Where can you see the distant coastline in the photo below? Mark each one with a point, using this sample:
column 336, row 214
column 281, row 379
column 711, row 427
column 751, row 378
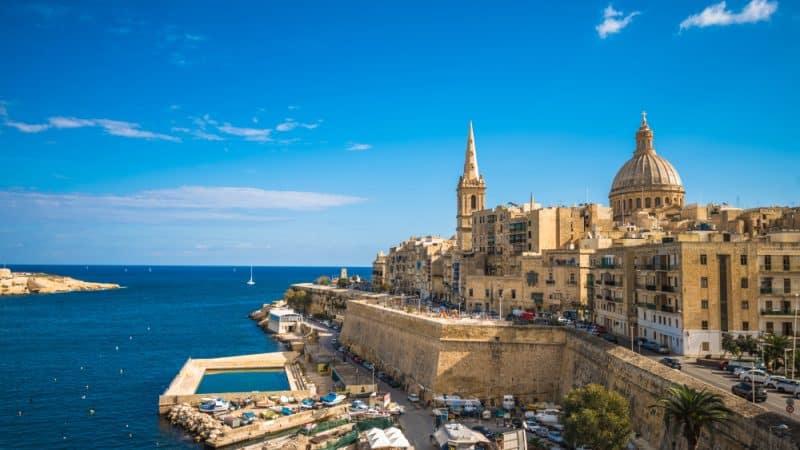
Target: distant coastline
column 23, row 283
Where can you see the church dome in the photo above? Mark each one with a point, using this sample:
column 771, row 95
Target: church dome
column 646, row 170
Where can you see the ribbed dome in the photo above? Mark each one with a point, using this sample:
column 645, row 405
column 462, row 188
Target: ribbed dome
column 646, row 170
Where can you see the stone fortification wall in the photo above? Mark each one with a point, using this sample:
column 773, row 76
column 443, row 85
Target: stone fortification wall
column 405, row 346
column 538, row 363
column 642, row 381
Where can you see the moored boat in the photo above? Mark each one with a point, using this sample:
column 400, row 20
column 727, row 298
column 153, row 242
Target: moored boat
column 213, row 405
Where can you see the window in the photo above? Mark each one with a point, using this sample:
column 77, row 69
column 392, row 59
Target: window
column 500, row 293
column 486, row 291
column 745, row 326
column 513, row 293
column 473, row 202
column 704, row 304
column 768, row 305
column 705, row 347
column 770, row 328
column 703, row 282
column 786, row 265
column 743, row 260
column 745, row 304
column 470, row 292
column 704, row 325
column 767, row 262
column 787, row 286
column 647, row 202
column 703, row 260
column 745, row 283
column 638, row 203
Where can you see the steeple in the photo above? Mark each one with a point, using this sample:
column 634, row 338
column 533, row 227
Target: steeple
column 471, row 158
column 644, row 137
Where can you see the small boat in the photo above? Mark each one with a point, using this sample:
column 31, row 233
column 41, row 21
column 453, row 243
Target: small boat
column 307, row 403
column 286, row 411
column 250, row 282
column 332, row 399
column 212, row 405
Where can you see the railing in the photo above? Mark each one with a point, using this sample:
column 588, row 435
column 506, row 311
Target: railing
column 650, row 287
column 550, row 281
column 608, row 265
column 612, row 283
column 645, row 267
column 667, row 288
column 775, row 291
column 662, row 266
column 649, row 305
column 780, row 312
column 669, row 309
column 618, row 299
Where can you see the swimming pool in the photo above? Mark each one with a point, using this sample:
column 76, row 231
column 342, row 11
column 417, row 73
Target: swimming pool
column 262, row 380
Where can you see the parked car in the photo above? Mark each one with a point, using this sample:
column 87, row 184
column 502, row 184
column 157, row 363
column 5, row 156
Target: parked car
column 484, row 431
column 671, row 362
column 540, row 431
column 555, row 436
column 787, row 385
column 745, row 390
column 757, row 375
column 656, row 347
column 413, row 397
column 772, row 381
column 610, row 338
column 393, row 383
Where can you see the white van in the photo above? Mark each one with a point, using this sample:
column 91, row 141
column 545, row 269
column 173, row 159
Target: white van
column 508, row 402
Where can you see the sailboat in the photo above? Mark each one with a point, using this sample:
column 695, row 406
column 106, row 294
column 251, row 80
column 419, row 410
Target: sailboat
column 250, row 282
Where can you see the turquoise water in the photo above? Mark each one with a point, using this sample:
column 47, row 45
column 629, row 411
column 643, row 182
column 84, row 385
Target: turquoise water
column 268, row 380
column 114, row 352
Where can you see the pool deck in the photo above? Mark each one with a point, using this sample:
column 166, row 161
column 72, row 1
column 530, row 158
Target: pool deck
column 184, row 386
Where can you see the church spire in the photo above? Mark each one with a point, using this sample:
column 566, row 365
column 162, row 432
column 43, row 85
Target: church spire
column 471, row 158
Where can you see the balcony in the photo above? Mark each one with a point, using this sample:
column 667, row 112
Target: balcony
column 667, row 288
column 550, row 282
column 605, row 265
column 612, row 283
column 775, row 291
column 778, row 312
column 663, row 267
column 650, row 287
column 645, row 267
column 667, row 308
column 618, row 299
column 648, row 305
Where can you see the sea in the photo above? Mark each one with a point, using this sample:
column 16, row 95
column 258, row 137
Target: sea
column 84, row 370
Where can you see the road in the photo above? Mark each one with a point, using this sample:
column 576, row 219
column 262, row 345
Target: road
column 417, row 421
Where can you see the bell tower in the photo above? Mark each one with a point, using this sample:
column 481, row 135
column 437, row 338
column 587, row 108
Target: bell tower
column 470, row 195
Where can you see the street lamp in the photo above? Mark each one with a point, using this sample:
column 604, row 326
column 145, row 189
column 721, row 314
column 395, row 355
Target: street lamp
column 794, row 332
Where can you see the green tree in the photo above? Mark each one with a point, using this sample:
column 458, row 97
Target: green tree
column 746, row 344
column 342, row 282
column 298, row 300
column 597, row 418
column 323, row 280
column 692, row 411
column 729, row 344
column 774, row 348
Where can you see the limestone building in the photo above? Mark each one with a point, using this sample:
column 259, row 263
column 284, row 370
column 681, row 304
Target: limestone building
column 409, row 265
column 778, row 282
column 379, row 272
column 646, row 182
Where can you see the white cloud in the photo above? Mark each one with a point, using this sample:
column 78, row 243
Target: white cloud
column 290, row 124
column 180, row 130
column 207, row 136
column 293, row 107
column 27, row 127
column 112, row 127
column 187, row 203
column 3, row 111
column 194, row 37
column 718, row 14
column 358, row 147
column 613, row 21
column 250, row 134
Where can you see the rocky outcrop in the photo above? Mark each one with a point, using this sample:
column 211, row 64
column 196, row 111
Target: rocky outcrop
column 21, row 283
column 200, row 425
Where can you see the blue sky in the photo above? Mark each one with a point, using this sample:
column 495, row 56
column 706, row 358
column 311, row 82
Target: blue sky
column 317, row 133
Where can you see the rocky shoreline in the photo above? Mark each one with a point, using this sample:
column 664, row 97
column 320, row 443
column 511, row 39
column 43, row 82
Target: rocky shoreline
column 23, row 283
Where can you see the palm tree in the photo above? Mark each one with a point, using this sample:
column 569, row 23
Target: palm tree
column 692, row 410
column 774, row 348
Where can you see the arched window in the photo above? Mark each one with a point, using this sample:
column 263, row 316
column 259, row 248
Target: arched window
column 666, row 200
column 638, row 203
column 630, row 203
column 675, row 200
column 647, row 202
column 473, row 202
column 658, row 201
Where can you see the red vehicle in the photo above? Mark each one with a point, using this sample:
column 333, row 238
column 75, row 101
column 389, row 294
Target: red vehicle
column 357, row 360
column 527, row 316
